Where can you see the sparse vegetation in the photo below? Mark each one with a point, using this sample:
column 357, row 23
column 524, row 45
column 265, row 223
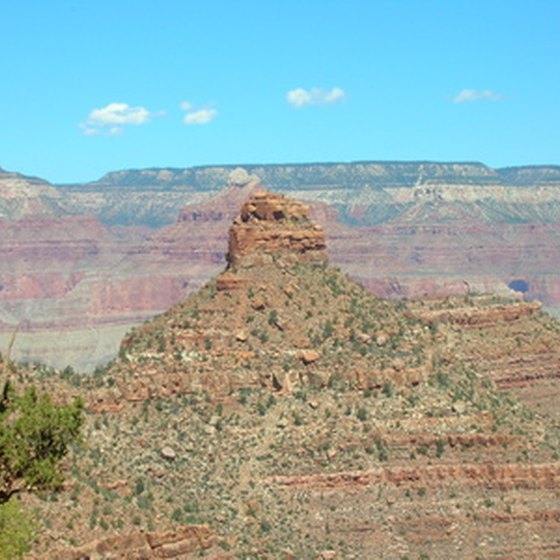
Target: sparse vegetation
column 283, row 410
column 35, row 435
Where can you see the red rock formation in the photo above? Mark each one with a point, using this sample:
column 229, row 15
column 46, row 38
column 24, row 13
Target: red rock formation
column 270, row 226
column 72, row 274
column 491, row 475
column 480, row 316
column 183, row 543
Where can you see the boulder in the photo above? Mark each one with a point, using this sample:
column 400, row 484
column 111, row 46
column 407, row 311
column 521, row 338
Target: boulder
column 309, row 356
column 168, row 453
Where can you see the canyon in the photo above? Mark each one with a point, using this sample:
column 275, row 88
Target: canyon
column 82, row 264
column 283, row 411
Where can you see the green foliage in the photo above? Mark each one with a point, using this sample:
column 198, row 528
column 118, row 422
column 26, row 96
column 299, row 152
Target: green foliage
column 381, row 449
column 34, row 436
column 441, row 380
column 16, row 531
column 139, row 487
column 388, row 389
column 328, row 329
column 264, row 337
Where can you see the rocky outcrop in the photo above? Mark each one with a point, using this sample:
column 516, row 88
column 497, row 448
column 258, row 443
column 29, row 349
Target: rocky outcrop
column 492, row 475
column 481, row 316
column 182, row 543
column 267, row 299
column 273, row 226
column 22, row 196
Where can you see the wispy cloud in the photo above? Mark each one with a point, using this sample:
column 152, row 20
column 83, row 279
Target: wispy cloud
column 300, row 97
column 202, row 116
column 197, row 116
column 104, row 131
column 111, row 119
column 472, row 95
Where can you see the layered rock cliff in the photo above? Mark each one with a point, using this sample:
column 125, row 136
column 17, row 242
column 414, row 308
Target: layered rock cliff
column 273, row 226
column 271, row 276
column 22, row 196
column 365, row 193
column 401, row 229
column 283, row 411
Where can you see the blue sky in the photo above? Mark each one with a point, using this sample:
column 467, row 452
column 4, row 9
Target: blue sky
column 94, row 86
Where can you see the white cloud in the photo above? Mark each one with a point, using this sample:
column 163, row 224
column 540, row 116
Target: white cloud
column 112, row 131
column 110, row 120
column 186, row 105
column 300, row 97
column 334, row 95
column 201, row 116
column 118, row 114
column 473, row 95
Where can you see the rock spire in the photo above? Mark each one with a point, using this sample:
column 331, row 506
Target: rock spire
column 272, row 226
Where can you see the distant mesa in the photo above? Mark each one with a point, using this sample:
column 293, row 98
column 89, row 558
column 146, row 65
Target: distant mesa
column 224, row 206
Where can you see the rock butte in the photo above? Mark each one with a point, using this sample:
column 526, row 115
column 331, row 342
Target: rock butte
column 307, row 419
column 276, row 269
column 273, row 225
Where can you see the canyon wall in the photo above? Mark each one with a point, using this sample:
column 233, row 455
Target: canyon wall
column 81, row 264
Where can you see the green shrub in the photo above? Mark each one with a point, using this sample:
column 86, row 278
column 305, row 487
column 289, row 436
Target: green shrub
column 177, row 515
column 16, row 531
column 34, row 436
column 388, row 389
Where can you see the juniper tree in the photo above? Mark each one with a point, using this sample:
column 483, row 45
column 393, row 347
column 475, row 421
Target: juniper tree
column 35, row 434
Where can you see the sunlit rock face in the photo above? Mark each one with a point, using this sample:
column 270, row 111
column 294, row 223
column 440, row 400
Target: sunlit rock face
column 272, row 226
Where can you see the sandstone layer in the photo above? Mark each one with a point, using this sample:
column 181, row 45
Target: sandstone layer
column 271, row 225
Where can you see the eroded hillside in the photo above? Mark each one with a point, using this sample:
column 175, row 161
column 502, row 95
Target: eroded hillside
column 284, row 412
